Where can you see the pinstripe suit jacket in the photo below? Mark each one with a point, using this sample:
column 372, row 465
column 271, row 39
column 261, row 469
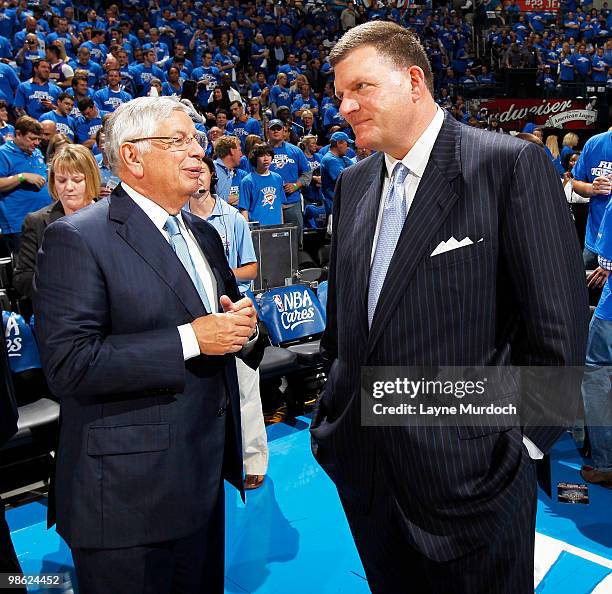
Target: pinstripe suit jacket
column 141, row 451
column 518, row 297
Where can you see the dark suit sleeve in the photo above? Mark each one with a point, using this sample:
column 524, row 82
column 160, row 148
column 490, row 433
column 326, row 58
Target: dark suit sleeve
column 81, row 355
column 540, row 251
column 25, row 265
column 329, row 340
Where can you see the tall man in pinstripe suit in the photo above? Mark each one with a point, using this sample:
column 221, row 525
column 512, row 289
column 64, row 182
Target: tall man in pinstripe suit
column 439, row 509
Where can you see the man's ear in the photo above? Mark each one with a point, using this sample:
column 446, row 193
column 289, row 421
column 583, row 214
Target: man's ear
column 131, row 159
column 417, row 79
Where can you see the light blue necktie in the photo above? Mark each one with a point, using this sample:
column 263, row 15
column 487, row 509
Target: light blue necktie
column 393, row 218
column 179, row 245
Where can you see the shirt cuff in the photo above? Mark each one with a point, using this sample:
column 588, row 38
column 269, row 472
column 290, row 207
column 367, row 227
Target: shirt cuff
column 604, row 263
column 189, row 342
column 534, row 451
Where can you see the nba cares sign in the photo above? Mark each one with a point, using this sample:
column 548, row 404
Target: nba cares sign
column 291, row 313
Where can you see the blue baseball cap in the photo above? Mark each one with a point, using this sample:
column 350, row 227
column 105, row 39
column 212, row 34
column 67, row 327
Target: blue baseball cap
column 339, row 136
column 276, row 122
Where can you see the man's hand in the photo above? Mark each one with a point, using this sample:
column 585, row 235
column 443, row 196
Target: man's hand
column 232, row 199
column 46, row 103
column 290, row 188
column 602, row 185
column 36, row 180
column 227, row 332
column 598, row 277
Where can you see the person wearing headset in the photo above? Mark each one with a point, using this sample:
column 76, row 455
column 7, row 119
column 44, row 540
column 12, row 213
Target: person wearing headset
column 240, row 254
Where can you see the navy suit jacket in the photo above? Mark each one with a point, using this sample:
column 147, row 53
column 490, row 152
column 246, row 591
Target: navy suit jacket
column 144, row 438
column 516, row 298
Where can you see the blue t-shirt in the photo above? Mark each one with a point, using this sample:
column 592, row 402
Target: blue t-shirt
column 30, row 95
column 331, row 167
column 313, row 192
column 595, row 161
column 64, row 124
column 25, row 198
column 8, row 83
column 262, row 197
column 93, row 69
column 243, row 129
column 108, row 100
column 603, row 247
column 235, row 236
column 290, row 163
column 280, row 96
column 144, row 75
column 7, row 130
column 85, row 128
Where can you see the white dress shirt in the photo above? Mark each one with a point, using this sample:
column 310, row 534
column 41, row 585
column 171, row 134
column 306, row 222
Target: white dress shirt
column 416, row 161
column 158, row 217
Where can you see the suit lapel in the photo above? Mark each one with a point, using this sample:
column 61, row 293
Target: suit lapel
column 366, row 214
column 438, row 191
column 139, row 232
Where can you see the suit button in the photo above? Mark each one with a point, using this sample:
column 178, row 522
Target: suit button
column 221, row 412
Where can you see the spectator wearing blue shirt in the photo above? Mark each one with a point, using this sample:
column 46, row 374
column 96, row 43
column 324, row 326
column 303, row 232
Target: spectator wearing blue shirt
column 259, row 85
column 242, row 125
column 582, row 62
column 36, row 97
column 280, row 94
column 174, row 84
column 596, row 378
column 96, row 46
column 30, row 52
column 261, row 192
column 86, row 64
column 179, row 60
column 8, row 83
column 160, row 49
column 599, row 66
column 89, row 123
column 312, row 192
column 230, row 225
column 332, row 165
column 31, row 27
column 64, row 122
column 291, row 164
column 207, row 76
column 111, row 96
column 592, row 177
column 7, row 131
column 23, row 179
column 228, row 153
column 305, row 101
column 145, row 72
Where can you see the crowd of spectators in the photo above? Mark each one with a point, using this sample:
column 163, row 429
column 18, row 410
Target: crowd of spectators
column 259, row 70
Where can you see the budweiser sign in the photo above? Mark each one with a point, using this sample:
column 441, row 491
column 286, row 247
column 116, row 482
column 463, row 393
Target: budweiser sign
column 551, row 113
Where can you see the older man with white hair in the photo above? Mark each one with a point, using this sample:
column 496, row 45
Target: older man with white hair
column 138, row 320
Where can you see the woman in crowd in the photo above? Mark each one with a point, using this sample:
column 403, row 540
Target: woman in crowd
column 552, row 144
column 55, row 144
column 220, row 100
column 173, row 85
column 74, row 182
column 570, row 142
column 7, row 131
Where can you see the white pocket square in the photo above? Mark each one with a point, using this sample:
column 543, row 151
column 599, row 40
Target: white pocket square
column 452, row 244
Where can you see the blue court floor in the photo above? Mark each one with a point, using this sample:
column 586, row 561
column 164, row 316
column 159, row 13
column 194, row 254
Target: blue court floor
column 292, row 537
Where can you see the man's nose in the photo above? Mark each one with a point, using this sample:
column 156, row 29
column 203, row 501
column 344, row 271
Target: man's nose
column 347, row 106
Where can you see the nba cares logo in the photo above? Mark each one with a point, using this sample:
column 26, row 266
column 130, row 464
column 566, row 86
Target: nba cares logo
column 279, row 303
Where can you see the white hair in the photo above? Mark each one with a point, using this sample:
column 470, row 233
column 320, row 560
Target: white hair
column 137, row 118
